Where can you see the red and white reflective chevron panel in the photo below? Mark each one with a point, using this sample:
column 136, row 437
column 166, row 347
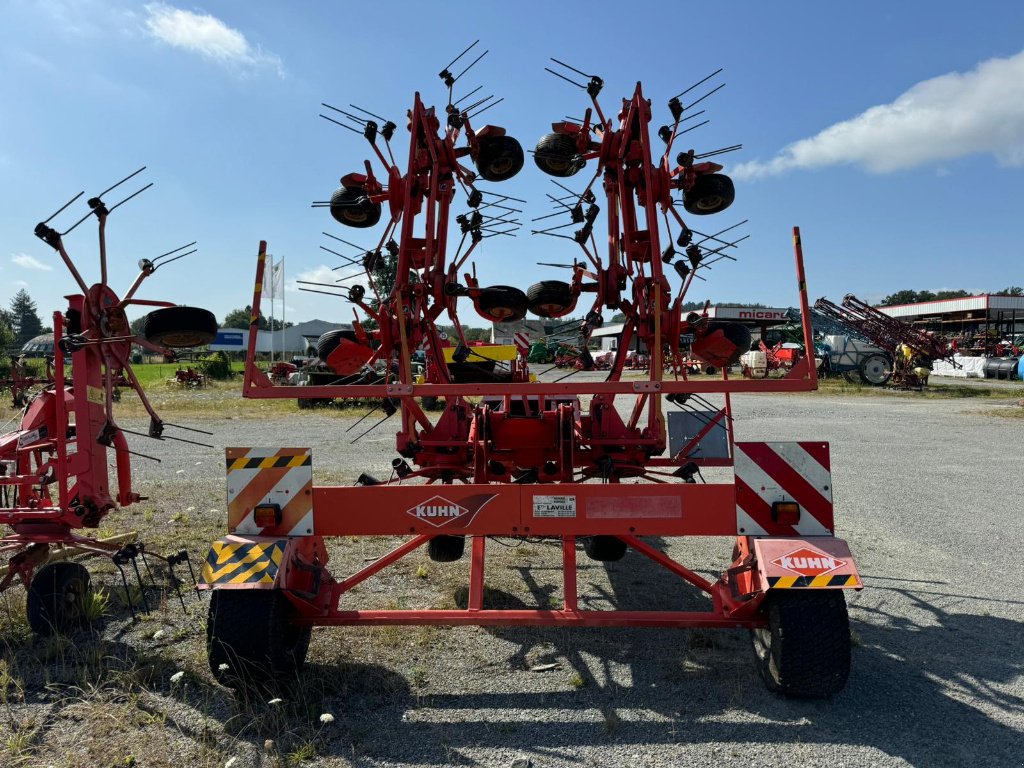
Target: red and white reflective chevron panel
column 771, row 472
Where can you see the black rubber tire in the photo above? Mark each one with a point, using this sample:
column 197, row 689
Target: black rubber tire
column 875, row 370
column 605, row 549
column 556, row 155
column 180, row 327
column 56, row 603
column 250, row 631
column 353, row 208
column 502, row 303
column 711, row 193
column 805, row 650
column 306, row 402
column 429, row 402
column 329, row 342
column 499, row 158
column 550, row 298
column 446, row 549
column 853, row 377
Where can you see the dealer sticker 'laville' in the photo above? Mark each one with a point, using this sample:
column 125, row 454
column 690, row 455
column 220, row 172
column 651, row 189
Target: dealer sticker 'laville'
column 554, row 506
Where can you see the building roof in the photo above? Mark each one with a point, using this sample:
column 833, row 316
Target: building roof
column 986, row 302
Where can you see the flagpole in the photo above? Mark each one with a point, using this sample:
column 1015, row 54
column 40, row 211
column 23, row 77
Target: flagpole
column 281, row 263
column 270, row 266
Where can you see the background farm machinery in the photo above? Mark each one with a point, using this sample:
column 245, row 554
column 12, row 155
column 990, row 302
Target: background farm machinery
column 908, row 352
column 54, row 477
column 581, row 461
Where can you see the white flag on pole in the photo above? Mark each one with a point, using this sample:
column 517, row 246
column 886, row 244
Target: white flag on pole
column 277, row 279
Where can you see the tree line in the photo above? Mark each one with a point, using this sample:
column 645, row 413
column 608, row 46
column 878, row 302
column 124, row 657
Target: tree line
column 916, row 297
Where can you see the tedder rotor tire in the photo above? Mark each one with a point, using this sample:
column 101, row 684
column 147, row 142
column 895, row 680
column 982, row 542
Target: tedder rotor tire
column 353, row 208
column 251, row 642
column 876, row 370
column 853, row 377
column 710, row 193
column 804, row 652
column 499, row 158
column 179, row 327
column 556, row 155
column 446, row 549
column 605, row 549
column 550, row 298
column 502, row 303
column 57, row 599
column 329, row 342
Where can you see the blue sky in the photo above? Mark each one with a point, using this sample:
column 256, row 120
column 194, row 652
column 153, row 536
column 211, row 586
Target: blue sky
column 892, row 133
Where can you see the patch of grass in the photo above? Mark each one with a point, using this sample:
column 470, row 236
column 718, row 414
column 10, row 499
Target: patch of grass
column 577, row 681
column 839, row 386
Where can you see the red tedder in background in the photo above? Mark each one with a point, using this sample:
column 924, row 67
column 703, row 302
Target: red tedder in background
column 582, row 462
column 54, row 478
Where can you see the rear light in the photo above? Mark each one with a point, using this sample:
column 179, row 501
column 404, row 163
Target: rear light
column 786, row 512
column 267, row 515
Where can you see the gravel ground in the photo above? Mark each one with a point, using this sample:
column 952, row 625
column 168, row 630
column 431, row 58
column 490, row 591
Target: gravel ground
column 927, row 493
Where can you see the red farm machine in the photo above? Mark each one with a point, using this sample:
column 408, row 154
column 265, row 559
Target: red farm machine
column 913, row 350
column 581, row 462
column 54, row 479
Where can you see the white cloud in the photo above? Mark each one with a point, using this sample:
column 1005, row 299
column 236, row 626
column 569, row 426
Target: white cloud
column 207, row 36
column 954, row 115
column 326, row 276
column 29, row 262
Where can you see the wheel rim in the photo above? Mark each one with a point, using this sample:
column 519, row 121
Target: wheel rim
column 356, row 217
column 709, row 203
column 500, row 166
column 556, row 164
column 876, row 371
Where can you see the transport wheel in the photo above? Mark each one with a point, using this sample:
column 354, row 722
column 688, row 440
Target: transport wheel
column 446, row 549
column 853, row 377
column 353, row 208
column 556, row 155
column 250, row 640
column 876, row 370
column 329, row 342
column 57, row 599
column 606, row 549
column 177, row 327
column 502, row 303
column 550, row 298
column 711, row 193
column 429, row 402
column 804, row 652
column 499, row 158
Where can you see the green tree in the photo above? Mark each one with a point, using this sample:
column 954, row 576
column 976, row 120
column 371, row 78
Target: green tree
column 1013, row 290
column 23, row 318
column 959, row 294
column 6, row 333
column 905, row 296
column 239, row 318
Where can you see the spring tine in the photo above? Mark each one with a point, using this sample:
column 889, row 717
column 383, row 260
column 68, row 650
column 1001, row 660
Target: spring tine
column 573, row 82
column 69, row 202
column 142, row 587
column 362, row 418
column 699, row 82
column 480, row 112
column 188, row 429
column 127, row 592
column 471, row 65
column 382, row 119
column 346, row 242
column 695, row 114
column 145, row 564
column 470, row 46
column 337, row 122
column 122, row 181
column 373, row 427
column 499, row 194
column 698, row 101
column 569, row 66
column 693, row 127
column 179, row 248
column 134, row 194
column 456, row 103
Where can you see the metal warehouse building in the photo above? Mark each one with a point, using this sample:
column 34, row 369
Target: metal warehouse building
column 977, row 324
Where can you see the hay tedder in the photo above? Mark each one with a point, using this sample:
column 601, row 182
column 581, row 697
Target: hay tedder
column 581, row 462
column 54, row 477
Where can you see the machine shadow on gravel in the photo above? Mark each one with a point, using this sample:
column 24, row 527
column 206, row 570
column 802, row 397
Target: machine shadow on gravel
column 898, row 701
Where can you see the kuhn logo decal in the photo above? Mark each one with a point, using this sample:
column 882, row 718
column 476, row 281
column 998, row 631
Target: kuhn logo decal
column 438, row 511
column 809, row 562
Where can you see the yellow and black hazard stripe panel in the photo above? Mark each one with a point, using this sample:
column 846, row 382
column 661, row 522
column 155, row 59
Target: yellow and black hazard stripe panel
column 243, row 562
column 812, row 582
column 269, row 462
